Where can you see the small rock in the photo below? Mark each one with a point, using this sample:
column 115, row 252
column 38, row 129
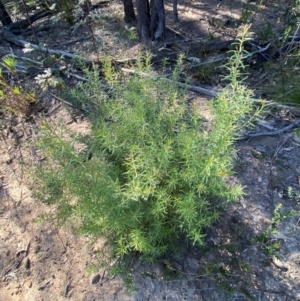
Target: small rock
column 243, row 203
column 37, row 249
column 12, row 275
column 259, row 179
column 28, row 284
column 27, row 264
column 9, row 161
column 96, row 279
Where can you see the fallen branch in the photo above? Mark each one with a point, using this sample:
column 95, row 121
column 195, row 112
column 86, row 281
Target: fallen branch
column 274, row 133
column 26, row 59
column 212, row 60
column 196, row 89
column 10, row 37
column 77, row 41
column 177, row 33
column 295, row 110
column 43, row 27
column 62, row 100
column 19, row 26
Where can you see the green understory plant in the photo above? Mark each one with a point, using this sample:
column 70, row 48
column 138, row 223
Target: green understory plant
column 284, row 78
column 12, row 95
column 280, row 81
column 66, row 8
column 293, row 194
column 228, row 268
column 224, row 274
column 272, row 245
column 149, row 175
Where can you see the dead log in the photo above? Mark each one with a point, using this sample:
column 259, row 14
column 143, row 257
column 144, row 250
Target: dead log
column 19, row 26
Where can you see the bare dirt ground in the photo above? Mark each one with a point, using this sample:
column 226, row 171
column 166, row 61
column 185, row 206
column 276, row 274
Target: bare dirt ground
column 39, row 261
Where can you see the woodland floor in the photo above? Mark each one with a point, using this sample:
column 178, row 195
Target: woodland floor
column 39, row 261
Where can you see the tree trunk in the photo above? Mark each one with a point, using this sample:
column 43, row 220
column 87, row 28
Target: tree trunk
column 4, row 16
column 143, row 20
column 151, row 21
column 129, row 11
column 158, row 19
column 175, row 11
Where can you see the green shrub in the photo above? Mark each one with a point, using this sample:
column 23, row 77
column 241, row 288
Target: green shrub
column 149, row 174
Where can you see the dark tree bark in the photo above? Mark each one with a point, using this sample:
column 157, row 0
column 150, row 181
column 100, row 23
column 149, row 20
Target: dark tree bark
column 151, row 20
column 158, row 19
column 175, row 11
column 143, row 20
column 129, row 11
column 4, row 16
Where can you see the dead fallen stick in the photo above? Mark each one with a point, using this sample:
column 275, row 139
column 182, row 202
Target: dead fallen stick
column 212, row 60
column 8, row 36
column 197, row 89
column 16, row 263
column 53, row 110
column 289, row 108
column 26, row 59
column 62, row 100
column 78, row 40
column 177, row 33
column 274, row 133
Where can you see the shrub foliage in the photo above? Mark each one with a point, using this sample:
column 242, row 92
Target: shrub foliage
column 149, row 174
